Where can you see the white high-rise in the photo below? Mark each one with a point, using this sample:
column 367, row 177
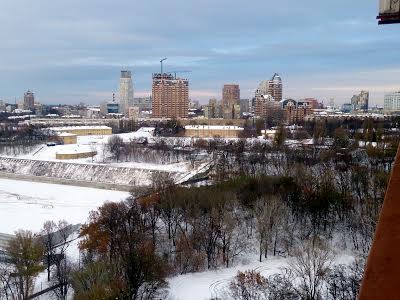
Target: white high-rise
column 125, row 92
column 392, row 102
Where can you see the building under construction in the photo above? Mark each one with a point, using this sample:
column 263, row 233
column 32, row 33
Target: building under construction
column 170, row 96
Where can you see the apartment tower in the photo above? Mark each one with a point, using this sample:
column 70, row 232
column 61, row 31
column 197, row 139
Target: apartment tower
column 170, row 96
column 125, row 92
column 275, row 87
column 230, row 95
column 29, row 101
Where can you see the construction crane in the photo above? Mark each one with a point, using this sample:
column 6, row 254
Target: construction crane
column 161, row 61
column 180, row 71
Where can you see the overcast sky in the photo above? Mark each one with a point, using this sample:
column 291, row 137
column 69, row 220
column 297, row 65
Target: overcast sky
column 68, row 51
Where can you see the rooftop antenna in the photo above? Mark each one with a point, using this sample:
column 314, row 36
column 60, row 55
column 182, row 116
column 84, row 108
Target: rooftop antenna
column 161, row 61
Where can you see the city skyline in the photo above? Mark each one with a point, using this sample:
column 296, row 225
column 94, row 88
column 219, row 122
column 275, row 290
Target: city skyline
column 76, row 50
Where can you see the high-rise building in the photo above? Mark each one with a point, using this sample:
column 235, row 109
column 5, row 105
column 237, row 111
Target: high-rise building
column 29, row 101
column 170, row 96
column 125, row 92
column 275, row 87
column 2, row 106
column 392, row 102
column 230, row 95
column 244, row 106
column 360, row 102
column 262, row 88
column 267, row 108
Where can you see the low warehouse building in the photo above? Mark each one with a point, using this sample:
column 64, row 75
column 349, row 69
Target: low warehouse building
column 209, row 131
column 84, row 130
column 75, row 154
column 67, row 138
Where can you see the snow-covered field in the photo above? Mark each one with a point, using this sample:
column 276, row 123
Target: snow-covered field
column 27, row 205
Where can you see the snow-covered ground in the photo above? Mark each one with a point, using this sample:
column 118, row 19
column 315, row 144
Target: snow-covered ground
column 209, row 285
column 27, row 205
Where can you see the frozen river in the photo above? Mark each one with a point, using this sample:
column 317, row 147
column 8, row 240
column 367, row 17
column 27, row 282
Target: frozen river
column 27, row 205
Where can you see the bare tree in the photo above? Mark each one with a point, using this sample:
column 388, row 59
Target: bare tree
column 311, row 268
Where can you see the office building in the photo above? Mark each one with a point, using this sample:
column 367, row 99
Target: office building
column 170, row 96
column 230, row 95
column 29, row 101
column 125, row 92
column 392, row 102
column 360, row 102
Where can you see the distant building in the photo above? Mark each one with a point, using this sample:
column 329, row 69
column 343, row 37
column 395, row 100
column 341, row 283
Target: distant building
column 133, row 112
column 360, row 102
column 84, row 130
column 275, row 87
column 267, row 108
column 143, row 103
column 230, row 95
column 29, row 101
column 211, row 131
column 262, row 88
column 312, row 103
column 244, row 106
column 347, row 107
column 170, row 96
column 110, row 107
column 2, row 106
column 295, row 111
column 125, row 92
column 392, row 102
column 194, row 104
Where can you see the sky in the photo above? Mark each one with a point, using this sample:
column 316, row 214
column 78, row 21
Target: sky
column 71, row 51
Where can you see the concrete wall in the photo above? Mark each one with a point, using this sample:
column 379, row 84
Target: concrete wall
column 101, row 174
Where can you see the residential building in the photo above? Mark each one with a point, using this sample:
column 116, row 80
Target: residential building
column 170, row 96
column 295, row 111
column 126, row 92
column 230, row 95
column 275, row 87
column 29, row 101
column 312, row 103
column 2, row 106
column 133, row 112
column 262, row 88
column 392, row 102
column 360, row 101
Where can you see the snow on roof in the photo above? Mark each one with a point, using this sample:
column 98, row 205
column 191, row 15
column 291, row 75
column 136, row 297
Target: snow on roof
column 212, row 127
column 78, row 127
column 73, row 149
column 65, row 134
